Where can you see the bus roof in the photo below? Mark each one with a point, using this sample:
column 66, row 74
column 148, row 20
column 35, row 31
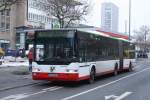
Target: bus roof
column 91, row 31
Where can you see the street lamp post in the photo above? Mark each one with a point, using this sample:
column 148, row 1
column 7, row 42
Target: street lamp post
column 145, row 40
column 129, row 19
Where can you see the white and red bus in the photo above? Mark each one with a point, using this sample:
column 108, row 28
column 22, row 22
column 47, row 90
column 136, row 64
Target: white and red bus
column 79, row 54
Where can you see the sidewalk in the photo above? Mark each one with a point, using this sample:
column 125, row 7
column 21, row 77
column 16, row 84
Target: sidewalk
column 13, row 62
column 9, row 80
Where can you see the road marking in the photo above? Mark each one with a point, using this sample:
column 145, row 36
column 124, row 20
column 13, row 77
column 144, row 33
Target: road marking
column 104, row 85
column 113, row 97
column 25, row 95
column 40, row 92
column 110, row 97
column 31, row 84
column 15, row 97
column 123, row 95
column 46, row 89
column 55, row 89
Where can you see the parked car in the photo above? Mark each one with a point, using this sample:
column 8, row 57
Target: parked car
column 142, row 55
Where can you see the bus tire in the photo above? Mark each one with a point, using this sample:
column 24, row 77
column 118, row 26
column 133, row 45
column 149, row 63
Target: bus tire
column 116, row 69
column 130, row 67
column 92, row 76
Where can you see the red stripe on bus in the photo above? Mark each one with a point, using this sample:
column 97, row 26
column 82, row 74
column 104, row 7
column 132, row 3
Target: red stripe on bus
column 114, row 34
column 60, row 76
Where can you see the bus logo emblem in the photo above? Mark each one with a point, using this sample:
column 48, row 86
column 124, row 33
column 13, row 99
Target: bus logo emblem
column 52, row 69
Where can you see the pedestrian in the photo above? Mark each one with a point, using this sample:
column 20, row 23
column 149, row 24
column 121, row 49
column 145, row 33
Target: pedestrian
column 30, row 57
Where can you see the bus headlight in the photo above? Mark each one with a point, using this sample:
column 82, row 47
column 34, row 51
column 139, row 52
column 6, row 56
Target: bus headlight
column 35, row 69
column 71, row 70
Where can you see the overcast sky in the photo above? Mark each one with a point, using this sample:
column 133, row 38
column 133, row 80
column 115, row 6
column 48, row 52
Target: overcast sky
column 140, row 13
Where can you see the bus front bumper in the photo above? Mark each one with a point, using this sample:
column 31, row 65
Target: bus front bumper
column 56, row 76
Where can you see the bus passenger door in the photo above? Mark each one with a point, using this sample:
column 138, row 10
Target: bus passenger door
column 120, row 55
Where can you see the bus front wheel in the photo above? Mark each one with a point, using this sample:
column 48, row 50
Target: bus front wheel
column 92, row 76
column 130, row 67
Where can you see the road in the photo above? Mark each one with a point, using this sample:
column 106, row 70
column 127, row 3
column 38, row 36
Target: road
column 125, row 86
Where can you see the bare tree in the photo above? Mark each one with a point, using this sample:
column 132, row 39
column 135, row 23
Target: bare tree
column 6, row 4
column 67, row 11
column 142, row 37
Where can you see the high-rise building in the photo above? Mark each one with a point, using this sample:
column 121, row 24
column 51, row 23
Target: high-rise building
column 25, row 14
column 109, row 17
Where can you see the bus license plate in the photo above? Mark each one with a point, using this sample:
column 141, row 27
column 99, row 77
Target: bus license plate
column 52, row 75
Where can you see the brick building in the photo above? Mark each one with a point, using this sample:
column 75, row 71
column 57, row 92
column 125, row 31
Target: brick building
column 25, row 14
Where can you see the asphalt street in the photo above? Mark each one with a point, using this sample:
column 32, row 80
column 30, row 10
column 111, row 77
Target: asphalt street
column 125, row 86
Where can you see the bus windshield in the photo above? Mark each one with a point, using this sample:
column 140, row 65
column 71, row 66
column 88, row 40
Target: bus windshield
column 54, row 47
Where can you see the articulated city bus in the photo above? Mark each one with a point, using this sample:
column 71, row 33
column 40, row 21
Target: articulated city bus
column 79, row 54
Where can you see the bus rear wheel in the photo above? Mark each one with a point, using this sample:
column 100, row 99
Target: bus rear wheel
column 130, row 67
column 116, row 69
column 92, row 76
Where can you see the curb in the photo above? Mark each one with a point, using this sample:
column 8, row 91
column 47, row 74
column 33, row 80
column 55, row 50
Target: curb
column 5, row 66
